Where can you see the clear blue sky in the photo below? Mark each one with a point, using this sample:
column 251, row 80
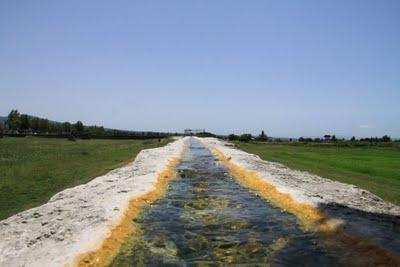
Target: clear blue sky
column 291, row 68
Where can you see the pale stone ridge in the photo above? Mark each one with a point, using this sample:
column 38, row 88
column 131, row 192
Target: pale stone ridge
column 78, row 219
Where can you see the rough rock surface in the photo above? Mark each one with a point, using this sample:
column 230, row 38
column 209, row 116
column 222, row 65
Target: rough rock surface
column 361, row 212
column 79, row 218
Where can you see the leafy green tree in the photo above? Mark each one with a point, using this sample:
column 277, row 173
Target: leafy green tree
column 353, row 139
column 334, row 138
column 66, row 127
column 43, row 125
column 245, row 138
column 54, row 127
column 24, row 122
column 79, row 127
column 34, row 123
column 262, row 137
column 96, row 130
column 386, row 138
column 233, row 137
column 14, row 120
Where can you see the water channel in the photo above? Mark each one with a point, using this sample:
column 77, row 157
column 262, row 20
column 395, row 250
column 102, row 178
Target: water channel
column 206, row 218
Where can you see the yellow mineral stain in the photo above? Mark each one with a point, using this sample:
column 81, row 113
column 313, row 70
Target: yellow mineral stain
column 355, row 250
column 308, row 215
column 121, row 233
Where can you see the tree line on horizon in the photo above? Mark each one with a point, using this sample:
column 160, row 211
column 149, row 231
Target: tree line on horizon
column 326, row 138
column 22, row 124
column 248, row 137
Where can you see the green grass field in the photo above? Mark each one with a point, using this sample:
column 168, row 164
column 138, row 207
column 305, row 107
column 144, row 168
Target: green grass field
column 33, row 169
column 375, row 168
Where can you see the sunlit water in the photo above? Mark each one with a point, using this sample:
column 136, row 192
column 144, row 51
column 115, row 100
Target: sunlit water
column 207, row 218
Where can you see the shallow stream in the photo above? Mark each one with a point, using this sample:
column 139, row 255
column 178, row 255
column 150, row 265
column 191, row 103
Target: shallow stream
column 206, row 218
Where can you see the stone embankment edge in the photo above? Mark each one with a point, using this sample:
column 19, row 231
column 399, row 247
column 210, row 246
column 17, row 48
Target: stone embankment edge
column 312, row 218
column 105, row 252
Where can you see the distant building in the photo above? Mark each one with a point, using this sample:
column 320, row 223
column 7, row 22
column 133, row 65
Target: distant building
column 194, row 131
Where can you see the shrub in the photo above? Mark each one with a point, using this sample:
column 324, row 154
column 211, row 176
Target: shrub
column 233, row 137
column 262, row 137
column 386, row 138
column 245, row 138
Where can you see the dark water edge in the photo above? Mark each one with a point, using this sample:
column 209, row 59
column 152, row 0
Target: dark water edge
column 207, row 219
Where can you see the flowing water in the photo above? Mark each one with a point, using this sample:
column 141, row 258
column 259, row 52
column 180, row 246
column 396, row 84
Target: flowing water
column 207, row 219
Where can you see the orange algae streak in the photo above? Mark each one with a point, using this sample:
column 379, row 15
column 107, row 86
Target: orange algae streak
column 355, row 250
column 121, row 233
column 308, row 215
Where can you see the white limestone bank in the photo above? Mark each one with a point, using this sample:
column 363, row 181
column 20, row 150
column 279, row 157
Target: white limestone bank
column 78, row 219
column 361, row 212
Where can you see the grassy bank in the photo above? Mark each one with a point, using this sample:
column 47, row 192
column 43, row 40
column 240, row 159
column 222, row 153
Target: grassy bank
column 33, row 169
column 374, row 167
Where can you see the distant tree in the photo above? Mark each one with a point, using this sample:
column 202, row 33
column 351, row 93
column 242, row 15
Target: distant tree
column 262, row 137
column 386, row 138
column 245, row 138
column 79, row 127
column 333, row 138
column 368, row 139
column 233, row 137
column 66, row 127
column 14, row 120
column 55, row 127
column 301, row 139
column 327, row 137
column 96, row 130
column 371, row 139
column 34, row 124
column 353, row 139
column 205, row 134
column 24, row 122
column 43, row 125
